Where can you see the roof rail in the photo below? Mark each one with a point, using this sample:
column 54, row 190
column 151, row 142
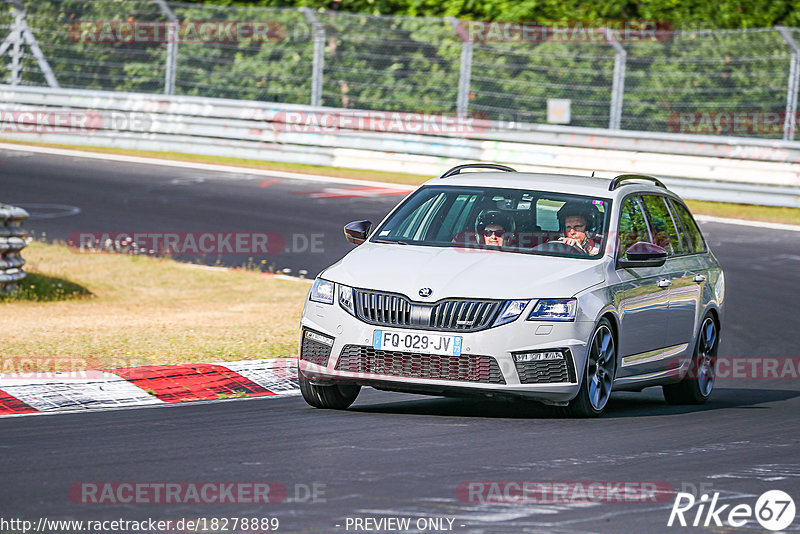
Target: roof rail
column 616, row 182
column 458, row 168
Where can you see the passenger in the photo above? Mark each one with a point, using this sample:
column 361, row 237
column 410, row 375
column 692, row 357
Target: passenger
column 578, row 222
column 494, row 228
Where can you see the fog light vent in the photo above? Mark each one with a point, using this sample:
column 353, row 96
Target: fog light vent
column 538, row 356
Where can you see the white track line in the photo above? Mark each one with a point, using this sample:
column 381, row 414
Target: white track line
column 743, row 222
column 305, row 177
column 203, row 166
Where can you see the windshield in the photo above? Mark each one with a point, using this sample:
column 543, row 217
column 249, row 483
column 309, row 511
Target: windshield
column 512, row 220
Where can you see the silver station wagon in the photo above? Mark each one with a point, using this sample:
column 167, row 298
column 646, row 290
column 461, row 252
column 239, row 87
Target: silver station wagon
column 559, row 289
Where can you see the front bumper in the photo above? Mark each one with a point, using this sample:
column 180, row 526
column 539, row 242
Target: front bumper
column 486, row 365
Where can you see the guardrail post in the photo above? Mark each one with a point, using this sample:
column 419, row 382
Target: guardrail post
column 464, row 70
column 172, row 47
column 12, row 241
column 794, row 84
column 318, row 62
column 618, row 81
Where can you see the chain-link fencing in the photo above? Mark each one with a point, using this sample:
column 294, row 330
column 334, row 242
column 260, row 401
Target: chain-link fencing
column 733, row 83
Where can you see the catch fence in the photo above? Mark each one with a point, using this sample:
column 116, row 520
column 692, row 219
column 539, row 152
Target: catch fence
column 741, row 83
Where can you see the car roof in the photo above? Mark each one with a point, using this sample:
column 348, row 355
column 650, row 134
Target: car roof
column 558, row 183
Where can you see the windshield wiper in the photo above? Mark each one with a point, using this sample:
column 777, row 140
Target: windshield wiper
column 391, row 241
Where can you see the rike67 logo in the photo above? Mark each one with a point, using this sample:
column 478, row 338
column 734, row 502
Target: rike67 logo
column 774, row 510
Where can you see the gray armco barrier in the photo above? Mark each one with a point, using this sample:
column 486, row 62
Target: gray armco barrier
column 12, row 241
column 715, row 168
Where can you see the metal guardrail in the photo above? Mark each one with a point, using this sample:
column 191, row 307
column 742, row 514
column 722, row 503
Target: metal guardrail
column 650, row 78
column 718, row 168
column 12, row 241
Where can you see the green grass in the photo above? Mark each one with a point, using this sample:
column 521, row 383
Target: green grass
column 114, row 310
column 38, row 287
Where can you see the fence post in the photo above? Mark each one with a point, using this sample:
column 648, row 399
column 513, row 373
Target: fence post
column 618, row 81
column 172, row 47
column 465, row 68
column 16, row 48
column 794, row 84
column 21, row 34
column 318, row 63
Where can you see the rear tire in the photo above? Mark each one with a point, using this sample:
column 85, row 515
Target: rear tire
column 334, row 397
column 598, row 374
column 696, row 386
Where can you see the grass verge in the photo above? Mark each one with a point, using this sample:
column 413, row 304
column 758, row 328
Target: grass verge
column 748, row 212
column 124, row 311
column 717, row 209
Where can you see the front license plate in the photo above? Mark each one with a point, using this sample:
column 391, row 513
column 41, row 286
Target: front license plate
column 415, row 342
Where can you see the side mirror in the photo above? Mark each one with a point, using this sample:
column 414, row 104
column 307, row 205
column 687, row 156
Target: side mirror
column 356, row 232
column 643, row 254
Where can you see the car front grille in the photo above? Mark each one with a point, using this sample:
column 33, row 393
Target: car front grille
column 467, row 368
column 314, row 351
column 546, row 371
column 459, row 315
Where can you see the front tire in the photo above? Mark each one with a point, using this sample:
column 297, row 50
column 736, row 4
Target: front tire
column 598, row 376
column 334, row 397
column 696, row 386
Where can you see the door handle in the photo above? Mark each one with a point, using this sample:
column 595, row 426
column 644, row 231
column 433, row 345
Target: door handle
column 664, row 283
column 699, row 278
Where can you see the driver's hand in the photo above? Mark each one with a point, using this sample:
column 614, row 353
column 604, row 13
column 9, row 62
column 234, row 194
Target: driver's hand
column 570, row 241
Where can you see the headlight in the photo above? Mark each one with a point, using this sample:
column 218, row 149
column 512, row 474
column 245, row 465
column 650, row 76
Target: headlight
column 321, row 291
column 554, row 310
column 346, row 299
column 510, row 311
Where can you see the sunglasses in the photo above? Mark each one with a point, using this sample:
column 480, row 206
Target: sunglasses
column 498, row 233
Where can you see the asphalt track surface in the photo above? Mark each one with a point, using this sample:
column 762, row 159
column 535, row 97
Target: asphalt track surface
column 394, row 455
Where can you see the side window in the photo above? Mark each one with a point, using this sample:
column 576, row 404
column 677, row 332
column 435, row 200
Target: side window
column 632, row 226
column 691, row 233
column 665, row 234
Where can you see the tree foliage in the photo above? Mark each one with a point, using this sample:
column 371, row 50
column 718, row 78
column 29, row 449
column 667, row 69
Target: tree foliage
column 721, row 14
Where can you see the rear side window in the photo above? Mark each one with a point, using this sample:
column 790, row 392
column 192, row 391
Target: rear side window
column 692, row 238
column 632, row 225
column 665, row 234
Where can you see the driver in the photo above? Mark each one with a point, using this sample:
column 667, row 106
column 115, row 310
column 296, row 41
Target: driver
column 578, row 222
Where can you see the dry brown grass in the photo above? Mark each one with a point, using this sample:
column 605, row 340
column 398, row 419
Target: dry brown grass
column 146, row 311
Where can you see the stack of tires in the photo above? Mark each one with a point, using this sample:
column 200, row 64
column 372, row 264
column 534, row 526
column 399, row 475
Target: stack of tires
column 12, row 241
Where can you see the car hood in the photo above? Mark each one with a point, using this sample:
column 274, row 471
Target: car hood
column 460, row 272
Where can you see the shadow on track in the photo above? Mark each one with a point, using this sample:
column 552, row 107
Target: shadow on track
column 621, row 405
